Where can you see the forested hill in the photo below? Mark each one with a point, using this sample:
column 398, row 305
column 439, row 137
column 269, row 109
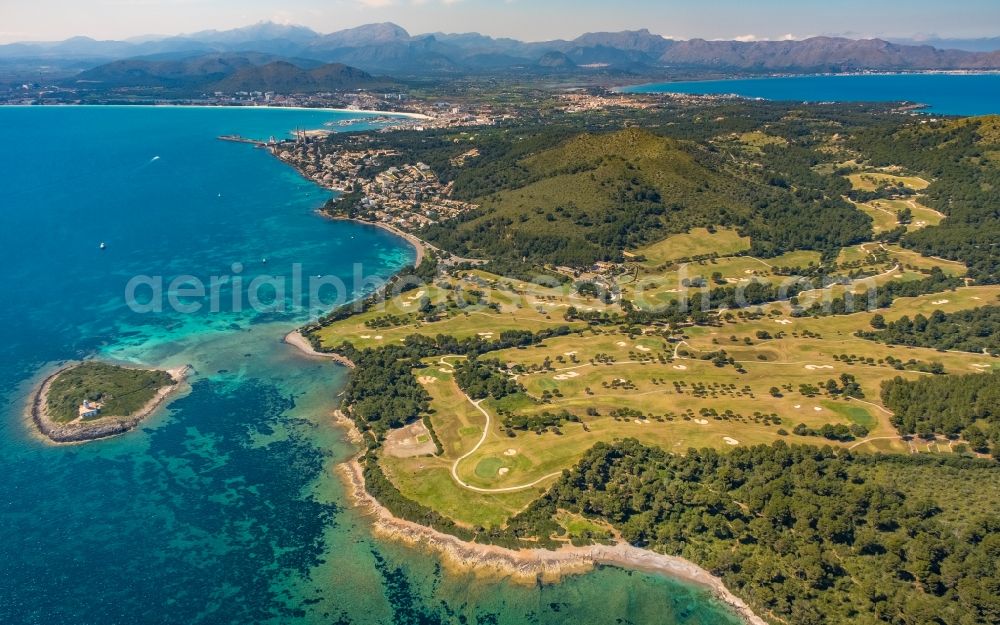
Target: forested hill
column 805, row 535
column 285, row 77
column 592, row 196
column 575, row 189
column 229, row 73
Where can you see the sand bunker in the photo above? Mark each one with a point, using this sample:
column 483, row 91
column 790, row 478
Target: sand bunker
column 485, row 334
column 566, row 376
column 378, row 338
column 818, row 409
column 701, row 421
column 797, row 406
column 569, row 354
column 366, row 336
column 940, row 301
column 730, row 441
column 445, row 370
column 680, row 367
column 981, row 366
column 621, row 344
column 510, row 452
column 503, row 471
column 643, row 349
column 426, row 379
column 783, row 322
column 815, row 367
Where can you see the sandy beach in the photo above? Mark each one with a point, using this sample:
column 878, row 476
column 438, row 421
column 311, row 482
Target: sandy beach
column 362, row 111
column 531, row 565
column 105, row 427
column 301, row 343
column 405, row 114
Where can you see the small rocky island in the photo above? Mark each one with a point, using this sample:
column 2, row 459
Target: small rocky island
column 94, row 400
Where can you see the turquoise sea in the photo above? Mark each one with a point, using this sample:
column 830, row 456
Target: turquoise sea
column 223, row 508
column 950, row 94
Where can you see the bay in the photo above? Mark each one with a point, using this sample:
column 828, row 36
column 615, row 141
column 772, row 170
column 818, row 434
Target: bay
column 951, row 94
column 223, row 508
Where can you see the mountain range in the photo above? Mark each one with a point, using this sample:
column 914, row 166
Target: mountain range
column 388, row 48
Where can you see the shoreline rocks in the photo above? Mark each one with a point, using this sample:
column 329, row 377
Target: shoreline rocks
column 105, row 427
column 531, row 566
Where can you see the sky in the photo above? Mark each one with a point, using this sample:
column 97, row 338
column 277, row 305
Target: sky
column 531, row 20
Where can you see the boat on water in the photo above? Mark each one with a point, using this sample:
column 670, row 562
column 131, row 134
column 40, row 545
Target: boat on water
column 102, row 246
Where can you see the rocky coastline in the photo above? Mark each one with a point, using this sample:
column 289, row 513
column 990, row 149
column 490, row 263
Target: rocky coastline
column 105, row 427
column 529, row 566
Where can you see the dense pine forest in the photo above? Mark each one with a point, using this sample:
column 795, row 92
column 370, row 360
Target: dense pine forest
column 976, row 330
column 807, row 535
column 966, row 406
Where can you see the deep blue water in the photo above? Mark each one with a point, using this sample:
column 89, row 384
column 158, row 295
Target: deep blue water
column 951, row 94
column 222, row 508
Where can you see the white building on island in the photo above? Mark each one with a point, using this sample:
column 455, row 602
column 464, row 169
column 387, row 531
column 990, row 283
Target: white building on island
column 90, row 409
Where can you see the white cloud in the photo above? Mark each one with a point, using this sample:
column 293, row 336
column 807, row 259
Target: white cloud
column 751, row 38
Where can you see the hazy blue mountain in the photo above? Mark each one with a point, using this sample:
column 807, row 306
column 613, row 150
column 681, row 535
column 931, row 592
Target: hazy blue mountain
column 643, row 41
column 556, row 60
column 983, row 44
column 262, row 31
column 285, row 77
column 388, row 48
column 821, row 54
